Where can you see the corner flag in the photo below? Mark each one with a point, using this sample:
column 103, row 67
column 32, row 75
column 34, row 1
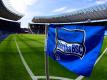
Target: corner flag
column 75, row 47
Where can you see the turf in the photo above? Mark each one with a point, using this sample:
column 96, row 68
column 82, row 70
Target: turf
column 32, row 48
column 100, row 70
column 33, row 51
column 11, row 67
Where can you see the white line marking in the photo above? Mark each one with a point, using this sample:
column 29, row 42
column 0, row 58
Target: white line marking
column 81, row 77
column 24, row 63
column 53, row 77
column 100, row 56
column 29, row 70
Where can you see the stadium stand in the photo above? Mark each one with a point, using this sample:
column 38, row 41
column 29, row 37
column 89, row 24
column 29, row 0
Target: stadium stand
column 95, row 15
column 37, row 28
column 92, row 13
column 25, row 30
column 8, row 19
column 8, row 27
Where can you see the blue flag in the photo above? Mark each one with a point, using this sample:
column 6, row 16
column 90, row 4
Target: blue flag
column 75, row 47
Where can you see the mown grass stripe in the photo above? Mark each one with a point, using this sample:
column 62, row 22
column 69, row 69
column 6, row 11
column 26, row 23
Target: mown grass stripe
column 24, row 63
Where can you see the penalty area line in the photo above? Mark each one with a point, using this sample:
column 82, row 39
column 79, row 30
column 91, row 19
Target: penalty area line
column 81, row 77
column 24, row 62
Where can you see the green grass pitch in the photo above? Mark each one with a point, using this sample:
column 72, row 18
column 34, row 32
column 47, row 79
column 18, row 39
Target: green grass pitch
column 32, row 48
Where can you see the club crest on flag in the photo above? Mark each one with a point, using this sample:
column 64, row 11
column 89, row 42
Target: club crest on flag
column 70, row 48
column 75, row 47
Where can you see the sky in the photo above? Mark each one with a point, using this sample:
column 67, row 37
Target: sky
column 31, row 8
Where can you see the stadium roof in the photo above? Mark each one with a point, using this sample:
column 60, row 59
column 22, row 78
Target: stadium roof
column 8, row 12
column 98, row 12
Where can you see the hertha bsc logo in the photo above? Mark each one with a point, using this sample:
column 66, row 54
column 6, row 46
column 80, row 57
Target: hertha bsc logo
column 75, row 47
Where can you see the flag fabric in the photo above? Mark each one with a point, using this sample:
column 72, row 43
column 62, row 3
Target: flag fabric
column 75, row 47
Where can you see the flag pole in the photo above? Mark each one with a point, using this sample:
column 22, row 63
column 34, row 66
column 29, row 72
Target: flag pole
column 46, row 56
